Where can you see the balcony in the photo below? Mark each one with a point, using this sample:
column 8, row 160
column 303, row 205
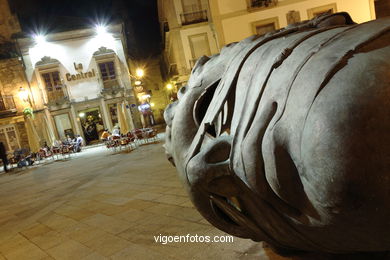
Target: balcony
column 57, row 96
column 110, row 83
column 7, row 106
column 194, row 17
column 256, row 4
column 173, row 70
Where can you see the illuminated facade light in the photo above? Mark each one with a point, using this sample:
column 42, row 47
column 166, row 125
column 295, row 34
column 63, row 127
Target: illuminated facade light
column 101, row 30
column 23, row 94
column 169, row 86
column 140, row 73
column 138, row 82
column 152, row 104
column 39, row 39
column 144, row 107
column 143, row 97
column 82, row 114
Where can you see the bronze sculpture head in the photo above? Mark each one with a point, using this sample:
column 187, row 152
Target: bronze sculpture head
column 284, row 138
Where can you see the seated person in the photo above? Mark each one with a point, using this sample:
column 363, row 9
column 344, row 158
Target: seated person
column 56, row 143
column 105, row 135
column 116, row 131
column 46, row 149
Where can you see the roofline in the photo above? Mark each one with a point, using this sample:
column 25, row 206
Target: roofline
column 26, row 41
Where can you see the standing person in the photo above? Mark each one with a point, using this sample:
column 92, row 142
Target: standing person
column 3, row 156
column 79, row 143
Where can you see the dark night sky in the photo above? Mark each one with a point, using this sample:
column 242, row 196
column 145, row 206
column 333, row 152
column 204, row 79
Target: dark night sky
column 140, row 17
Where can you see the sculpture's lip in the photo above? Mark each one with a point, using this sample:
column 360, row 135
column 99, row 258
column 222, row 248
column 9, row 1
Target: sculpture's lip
column 171, row 160
column 169, row 156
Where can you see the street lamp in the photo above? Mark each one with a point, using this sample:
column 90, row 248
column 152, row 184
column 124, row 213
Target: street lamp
column 169, row 86
column 101, row 30
column 39, row 39
column 139, row 73
column 138, row 82
column 24, row 95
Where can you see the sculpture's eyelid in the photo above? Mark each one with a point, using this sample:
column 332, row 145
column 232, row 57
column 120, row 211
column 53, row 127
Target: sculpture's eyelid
column 199, row 85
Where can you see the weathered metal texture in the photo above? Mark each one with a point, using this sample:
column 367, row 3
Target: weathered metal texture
column 285, row 138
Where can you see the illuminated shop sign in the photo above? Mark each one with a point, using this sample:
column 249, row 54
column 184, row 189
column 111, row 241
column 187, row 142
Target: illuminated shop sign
column 144, row 107
column 80, row 75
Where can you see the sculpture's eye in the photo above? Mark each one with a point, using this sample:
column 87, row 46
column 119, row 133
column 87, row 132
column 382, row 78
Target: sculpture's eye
column 203, row 102
column 182, row 92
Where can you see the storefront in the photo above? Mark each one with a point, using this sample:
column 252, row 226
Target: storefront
column 92, row 124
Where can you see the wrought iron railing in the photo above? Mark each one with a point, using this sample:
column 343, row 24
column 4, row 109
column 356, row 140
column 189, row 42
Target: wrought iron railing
column 57, row 96
column 262, row 3
column 194, row 17
column 7, row 104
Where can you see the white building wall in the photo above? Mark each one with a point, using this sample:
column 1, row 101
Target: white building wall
column 68, row 52
column 231, row 6
column 237, row 21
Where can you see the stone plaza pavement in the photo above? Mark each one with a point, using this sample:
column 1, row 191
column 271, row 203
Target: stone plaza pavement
column 106, row 205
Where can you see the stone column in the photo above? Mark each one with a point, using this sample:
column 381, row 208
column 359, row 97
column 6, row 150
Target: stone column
column 106, row 115
column 52, row 130
column 129, row 117
column 50, row 127
column 76, row 121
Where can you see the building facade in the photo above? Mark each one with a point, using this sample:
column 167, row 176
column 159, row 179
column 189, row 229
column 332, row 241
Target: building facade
column 192, row 28
column 80, row 81
column 235, row 20
column 13, row 132
column 188, row 34
column 12, row 122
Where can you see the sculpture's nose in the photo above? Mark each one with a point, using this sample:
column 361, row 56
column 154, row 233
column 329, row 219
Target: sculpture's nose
column 215, row 191
column 210, row 164
column 169, row 115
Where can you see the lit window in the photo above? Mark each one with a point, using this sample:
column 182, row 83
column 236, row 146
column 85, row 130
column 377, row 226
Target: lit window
column 52, row 80
column 9, row 137
column 107, row 70
column 265, row 26
column 313, row 12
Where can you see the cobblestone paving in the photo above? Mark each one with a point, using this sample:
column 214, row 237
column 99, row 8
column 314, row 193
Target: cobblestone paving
column 101, row 205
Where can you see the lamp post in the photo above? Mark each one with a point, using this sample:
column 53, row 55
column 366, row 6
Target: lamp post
column 172, row 91
column 139, row 73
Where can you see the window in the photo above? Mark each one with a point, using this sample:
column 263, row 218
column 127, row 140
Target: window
column 262, row 3
column 193, row 12
column 52, row 80
column 107, row 70
column 293, row 17
column 9, row 137
column 113, row 113
column 382, row 8
column 313, row 12
column 200, row 46
column 265, row 26
column 7, row 103
column 190, row 6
